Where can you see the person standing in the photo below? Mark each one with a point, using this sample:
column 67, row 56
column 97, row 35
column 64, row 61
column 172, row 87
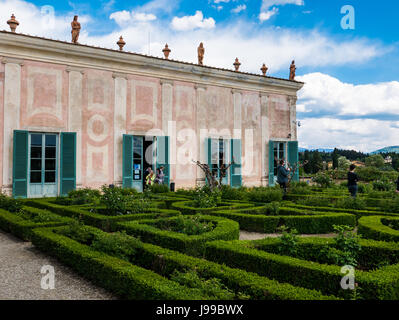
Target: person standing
column 282, row 176
column 352, row 181
column 149, row 180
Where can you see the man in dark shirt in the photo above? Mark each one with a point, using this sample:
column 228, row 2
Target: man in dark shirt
column 282, row 176
column 352, row 181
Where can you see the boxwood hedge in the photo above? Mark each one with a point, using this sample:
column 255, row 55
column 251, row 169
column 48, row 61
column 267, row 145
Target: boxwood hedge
column 22, row 228
column 380, row 284
column 377, row 227
column 136, row 282
column 190, row 244
column 187, row 207
column 104, row 222
column 119, row 276
column 305, row 221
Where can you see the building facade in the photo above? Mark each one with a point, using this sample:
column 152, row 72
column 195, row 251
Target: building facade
column 76, row 116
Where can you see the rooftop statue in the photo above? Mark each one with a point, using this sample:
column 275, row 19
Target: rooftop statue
column 13, row 23
column 292, row 70
column 75, row 29
column 201, row 53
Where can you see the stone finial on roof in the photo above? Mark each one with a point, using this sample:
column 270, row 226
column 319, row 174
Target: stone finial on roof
column 75, row 29
column 166, row 51
column 121, row 43
column 237, row 64
column 292, row 70
column 201, row 53
column 264, row 69
column 13, row 23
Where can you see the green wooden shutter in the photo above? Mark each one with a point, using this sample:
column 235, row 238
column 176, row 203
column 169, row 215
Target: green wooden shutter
column 293, row 157
column 68, row 162
column 235, row 170
column 20, row 164
column 271, row 163
column 127, row 165
column 163, row 157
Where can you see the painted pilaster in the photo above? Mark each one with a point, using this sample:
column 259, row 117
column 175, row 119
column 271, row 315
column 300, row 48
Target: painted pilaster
column 202, row 148
column 12, row 107
column 238, row 132
column 265, row 133
column 119, row 124
column 293, row 124
column 75, row 115
column 168, row 127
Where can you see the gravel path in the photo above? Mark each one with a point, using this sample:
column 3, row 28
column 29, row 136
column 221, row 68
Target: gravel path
column 244, row 235
column 20, row 276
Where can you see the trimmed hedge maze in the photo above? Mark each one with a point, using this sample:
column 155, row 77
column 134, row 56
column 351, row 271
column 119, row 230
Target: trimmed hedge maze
column 175, row 250
column 379, row 228
column 306, row 269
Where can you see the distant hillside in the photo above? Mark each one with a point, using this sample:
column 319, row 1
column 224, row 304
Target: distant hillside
column 387, row 150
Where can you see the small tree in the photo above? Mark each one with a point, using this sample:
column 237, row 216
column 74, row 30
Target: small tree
column 212, row 179
column 343, row 163
column 376, row 160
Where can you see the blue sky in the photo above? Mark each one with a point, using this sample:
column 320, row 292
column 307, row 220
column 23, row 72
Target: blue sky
column 351, row 96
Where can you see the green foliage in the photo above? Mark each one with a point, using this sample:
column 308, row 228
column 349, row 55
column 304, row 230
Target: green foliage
column 114, row 199
column 230, row 193
column 288, row 241
column 78, row 232
column 383, row 184
column 272, row 208
column 79, row 197
column 368, row 174
column 314, row 201
column 351, row 203
column 158, row 188
column 193, row 225
column 348, row 242
column 205, row 198
column 212, row 287
column 375, row 160
column 119, row 201
column 265, row 195
column 323, row 180
column 118, row 244
column 10, row 204
column 343, row 163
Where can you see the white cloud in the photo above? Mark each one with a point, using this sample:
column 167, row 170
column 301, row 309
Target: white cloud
column 239, row 8
column 196, row 21
column 358, row 134
column 219, row 1
column 264, row 16
column 323, row 94
column 144, row 16
column 337, row 114
column 269, row 7
column 266, row 4
column 121, row 17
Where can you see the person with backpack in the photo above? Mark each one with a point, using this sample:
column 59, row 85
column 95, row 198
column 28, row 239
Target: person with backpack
column 352, row 181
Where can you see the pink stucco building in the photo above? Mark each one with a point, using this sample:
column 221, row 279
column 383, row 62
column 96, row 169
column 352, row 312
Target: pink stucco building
column 75, row 116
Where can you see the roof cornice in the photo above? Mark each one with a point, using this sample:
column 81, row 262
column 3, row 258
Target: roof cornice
column 20, row 46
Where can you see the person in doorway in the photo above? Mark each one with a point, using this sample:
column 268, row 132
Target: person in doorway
column 352, row 181
column 160, row 176
column 149, row 180
column 282, row 176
